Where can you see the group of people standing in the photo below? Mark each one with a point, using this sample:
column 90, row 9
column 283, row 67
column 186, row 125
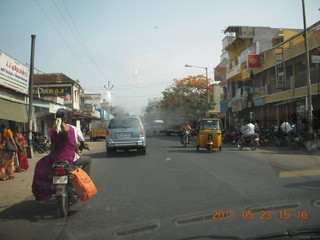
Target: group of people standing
column 12, row 161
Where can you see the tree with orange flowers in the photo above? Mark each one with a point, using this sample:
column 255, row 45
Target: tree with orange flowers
column 189, row 95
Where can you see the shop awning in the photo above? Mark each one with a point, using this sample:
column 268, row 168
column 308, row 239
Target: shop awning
column 13, row 111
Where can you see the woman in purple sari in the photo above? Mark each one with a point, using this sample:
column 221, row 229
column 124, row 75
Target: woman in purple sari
column 63, row 147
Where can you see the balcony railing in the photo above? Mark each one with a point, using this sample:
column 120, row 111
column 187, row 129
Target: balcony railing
column 234, row 71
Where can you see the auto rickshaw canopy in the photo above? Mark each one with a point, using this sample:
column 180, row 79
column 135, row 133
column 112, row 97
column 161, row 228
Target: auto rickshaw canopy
column 210, row 124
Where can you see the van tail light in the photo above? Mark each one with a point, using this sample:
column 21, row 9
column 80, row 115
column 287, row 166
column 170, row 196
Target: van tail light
column 141, row 133
column 59, row 171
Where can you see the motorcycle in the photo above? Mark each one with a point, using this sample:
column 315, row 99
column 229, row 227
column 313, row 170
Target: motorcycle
column 185, row 138
column 61, row 185
column 252, row 142
column 264, row 137
column 230, row 136
column 296, row 141
column 40, row 143
column 278, row 138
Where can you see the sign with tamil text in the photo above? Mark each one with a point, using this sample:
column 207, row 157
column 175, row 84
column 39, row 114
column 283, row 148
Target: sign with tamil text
column 13, row 74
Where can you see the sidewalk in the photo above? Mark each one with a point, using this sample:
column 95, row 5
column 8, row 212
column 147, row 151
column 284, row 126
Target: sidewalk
column 291, row 163
column 20, row 186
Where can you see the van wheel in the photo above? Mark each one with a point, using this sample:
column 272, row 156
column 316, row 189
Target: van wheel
column 143, row 151
column 110, row 152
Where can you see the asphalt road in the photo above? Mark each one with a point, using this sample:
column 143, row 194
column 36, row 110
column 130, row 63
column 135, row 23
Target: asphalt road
column 174, row 192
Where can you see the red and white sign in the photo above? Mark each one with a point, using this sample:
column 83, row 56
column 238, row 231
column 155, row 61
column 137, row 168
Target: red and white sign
column 253, row 60
column 13, row 74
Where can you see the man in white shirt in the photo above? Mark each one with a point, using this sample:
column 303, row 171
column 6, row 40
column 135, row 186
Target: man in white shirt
column 247, row 130
column 83, row 161
column 287, row 128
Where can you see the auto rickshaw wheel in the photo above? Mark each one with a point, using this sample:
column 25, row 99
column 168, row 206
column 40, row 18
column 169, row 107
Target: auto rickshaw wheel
column 220, row 148
column 198, row 147
column 210, row 148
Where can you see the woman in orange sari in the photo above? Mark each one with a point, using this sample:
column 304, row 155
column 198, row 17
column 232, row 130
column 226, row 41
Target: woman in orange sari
column 6, row 157
column 22, row 153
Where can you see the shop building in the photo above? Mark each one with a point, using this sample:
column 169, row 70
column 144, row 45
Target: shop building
column 65, row 92
column 279, row 85
column 14, row 85
column 236, row 78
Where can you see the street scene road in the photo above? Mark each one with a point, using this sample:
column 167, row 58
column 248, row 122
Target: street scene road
column 174, row 192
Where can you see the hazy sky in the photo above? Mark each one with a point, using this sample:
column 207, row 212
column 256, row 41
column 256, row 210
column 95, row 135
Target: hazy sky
column 140, row 46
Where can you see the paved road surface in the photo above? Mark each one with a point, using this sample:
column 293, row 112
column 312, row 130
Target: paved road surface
column 174, row 192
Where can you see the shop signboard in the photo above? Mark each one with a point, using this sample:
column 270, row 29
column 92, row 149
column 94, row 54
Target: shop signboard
column 259, row 101
column 236, row 105
column 224, row 106
column 13, row 74
column 63, row 92
column 315, row 58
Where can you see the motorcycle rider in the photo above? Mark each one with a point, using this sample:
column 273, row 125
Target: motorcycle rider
column 286, row 128
column 186, row 127
column 63, row 147
column 247, row 130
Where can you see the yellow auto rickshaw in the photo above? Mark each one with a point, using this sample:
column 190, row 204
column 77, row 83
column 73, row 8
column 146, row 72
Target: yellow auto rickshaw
column 209, row 134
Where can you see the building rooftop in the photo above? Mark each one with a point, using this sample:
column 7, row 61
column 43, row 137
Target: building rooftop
column 51, row 78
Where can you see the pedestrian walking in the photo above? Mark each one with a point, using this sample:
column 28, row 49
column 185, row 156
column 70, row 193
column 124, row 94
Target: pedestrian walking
column 6, row 156
column 22, row 150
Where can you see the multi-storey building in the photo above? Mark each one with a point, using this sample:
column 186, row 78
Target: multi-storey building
column 279, row 85
column 238, row 82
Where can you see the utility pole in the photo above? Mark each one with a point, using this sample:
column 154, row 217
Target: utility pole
column 30, row 114
column 109, row 100
column 309, row 95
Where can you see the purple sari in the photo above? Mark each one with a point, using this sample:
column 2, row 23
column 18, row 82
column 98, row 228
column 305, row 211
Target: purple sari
column 42, row 181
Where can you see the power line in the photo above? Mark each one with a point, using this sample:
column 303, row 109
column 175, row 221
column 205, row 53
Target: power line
column 84, row 43
column 134, row 86
column 65, row 41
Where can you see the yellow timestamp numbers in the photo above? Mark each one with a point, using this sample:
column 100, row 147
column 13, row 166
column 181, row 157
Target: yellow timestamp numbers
column 263, row 214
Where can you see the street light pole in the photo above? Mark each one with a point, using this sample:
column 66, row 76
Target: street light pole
column 309, row 96
column 30, row 113
column 108, row 89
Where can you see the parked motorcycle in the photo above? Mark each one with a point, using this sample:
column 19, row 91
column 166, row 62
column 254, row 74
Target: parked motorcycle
column 265, row 137
column 278, row 138
column 230, row 136
column 296, row 141
column 40, row 143
column 252, row 142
